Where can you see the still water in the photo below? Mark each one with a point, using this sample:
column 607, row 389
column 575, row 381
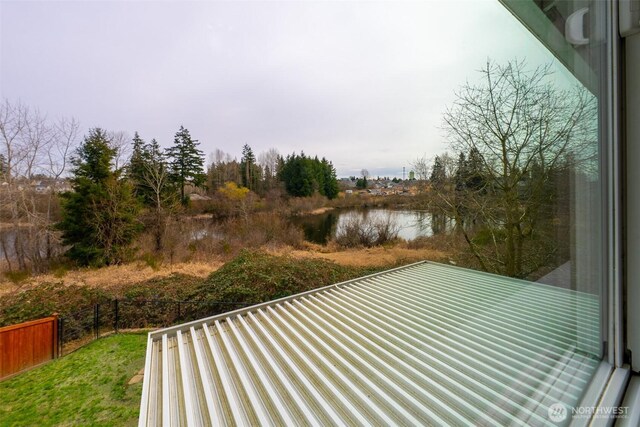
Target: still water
column 410, row 223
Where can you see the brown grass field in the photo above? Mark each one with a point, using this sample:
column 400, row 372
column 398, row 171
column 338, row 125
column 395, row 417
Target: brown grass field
column 122, row 275
column 112, row 276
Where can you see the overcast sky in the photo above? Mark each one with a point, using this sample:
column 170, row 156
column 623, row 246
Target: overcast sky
column 363, row 84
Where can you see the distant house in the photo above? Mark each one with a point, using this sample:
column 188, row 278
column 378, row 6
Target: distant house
column 347, row 183
column 41, row 187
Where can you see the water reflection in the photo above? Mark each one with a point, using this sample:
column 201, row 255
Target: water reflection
column 411, row 223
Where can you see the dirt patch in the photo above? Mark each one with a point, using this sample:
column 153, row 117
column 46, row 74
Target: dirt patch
column 137, row 378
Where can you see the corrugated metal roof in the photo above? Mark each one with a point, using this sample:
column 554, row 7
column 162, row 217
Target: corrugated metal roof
column 426, row 344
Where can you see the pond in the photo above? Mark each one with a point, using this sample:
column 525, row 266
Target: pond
column 410, row 223
column 32, row 243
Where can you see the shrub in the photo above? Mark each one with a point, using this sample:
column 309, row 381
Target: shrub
column 420, row 242
column 17, row 276
column 151, row 260
column 255, row 277
column 47, row 299
column 259, row 230
column 65, row 300
column 301, row 205
column 367, row 232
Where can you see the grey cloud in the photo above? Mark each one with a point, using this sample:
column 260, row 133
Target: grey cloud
column 361, row 83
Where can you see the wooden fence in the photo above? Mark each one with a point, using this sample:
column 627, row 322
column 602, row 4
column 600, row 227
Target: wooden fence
column 28, row 344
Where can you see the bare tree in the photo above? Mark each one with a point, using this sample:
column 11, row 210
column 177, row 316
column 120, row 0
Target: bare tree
column 156, row 178
column 422, row 167
column 34, row 153
column 120, row 142
column 64, row 140
column 13, row 121
column 223, row 168
column 115, row 221
column 269, row 161
column 524, row 131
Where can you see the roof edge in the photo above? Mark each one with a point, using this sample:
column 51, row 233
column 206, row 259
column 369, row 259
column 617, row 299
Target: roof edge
column 186, row 326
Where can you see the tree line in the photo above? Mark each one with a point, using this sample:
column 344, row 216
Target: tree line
column 296, row 174
column 96, row 196
column 109, row 205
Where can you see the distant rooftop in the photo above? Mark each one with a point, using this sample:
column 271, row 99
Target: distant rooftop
column 426, row 344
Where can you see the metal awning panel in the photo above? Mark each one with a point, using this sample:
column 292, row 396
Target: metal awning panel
column 426, row 344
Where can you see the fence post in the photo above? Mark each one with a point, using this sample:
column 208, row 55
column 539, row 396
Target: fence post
column 95, row 320
column 54, row 338
column 115, row 322
column 60, row 336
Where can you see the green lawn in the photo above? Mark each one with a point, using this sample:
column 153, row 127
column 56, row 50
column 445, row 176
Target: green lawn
column 87, row 387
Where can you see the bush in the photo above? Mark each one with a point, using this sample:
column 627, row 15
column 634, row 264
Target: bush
column 50, row 298
column 47, row 299
column 259, row 230
column 151, row 260
column 250, row 278
column 185, row 239
column 302, row 205
column 421, row 242
column 255, row 277
column 17, row 276
column 366, row 232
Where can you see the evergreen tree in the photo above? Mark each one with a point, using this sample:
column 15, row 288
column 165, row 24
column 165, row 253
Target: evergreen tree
column 136, row 167
column 462, row 172
column 186, row 162
column 99, row 215
column 250, row 171
column 331, row 188
column 438, row 175
column 362, row 183
column 297, row 176
column 475, row 180
column 303, row 176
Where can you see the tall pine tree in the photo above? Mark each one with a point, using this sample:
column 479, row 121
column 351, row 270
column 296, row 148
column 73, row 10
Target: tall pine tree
column 186, row 162
column 249, row 170
column 438, row 175
column 331, row 188
column 136, row 167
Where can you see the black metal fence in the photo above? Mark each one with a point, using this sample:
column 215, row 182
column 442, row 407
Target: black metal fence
column 90, row 323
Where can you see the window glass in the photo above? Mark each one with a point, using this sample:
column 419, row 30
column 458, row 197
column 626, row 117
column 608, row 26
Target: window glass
column 486, row 120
